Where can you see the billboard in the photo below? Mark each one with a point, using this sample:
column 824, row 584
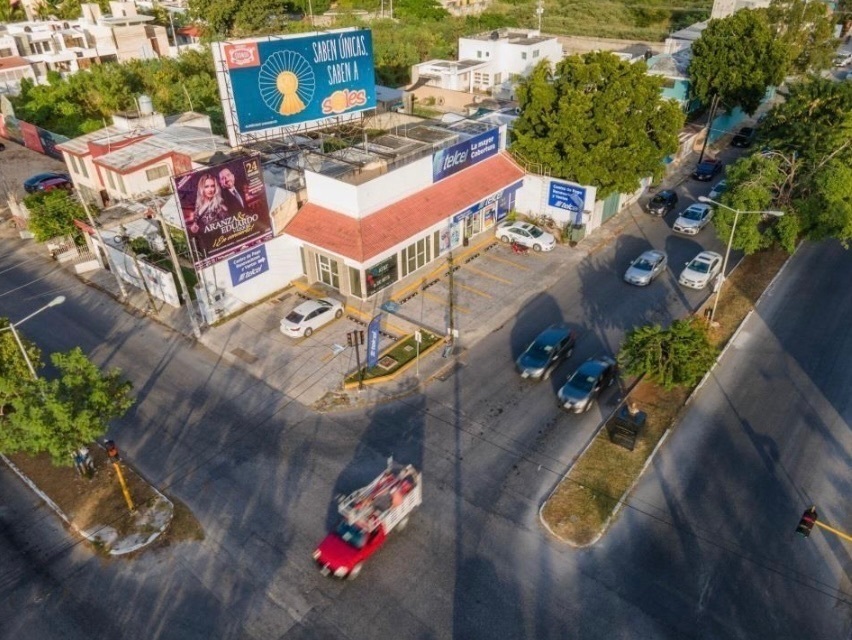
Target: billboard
column 465, row 154
column 248, row 264
column 566, row 196
column 290, row 80
column 224, row 209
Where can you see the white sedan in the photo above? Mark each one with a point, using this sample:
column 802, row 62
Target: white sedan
column 693, row 219
column 309, row 316
column 701, row 270
column 717, row 191
column 526, row 234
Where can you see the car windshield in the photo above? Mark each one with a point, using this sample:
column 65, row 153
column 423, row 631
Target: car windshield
column 295, row 317
column 721, row 187
column 659, row 199
column 643, row 264
column 582, row 381
column 539, row 350
column 351, row 534
column 706, row 166
column 699, row 266
column 535, row 232
column 693, row 214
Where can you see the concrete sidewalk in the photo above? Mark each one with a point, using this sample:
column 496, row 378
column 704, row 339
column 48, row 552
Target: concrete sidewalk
column 312, row 370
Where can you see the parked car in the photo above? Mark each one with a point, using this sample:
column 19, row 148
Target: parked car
column 693, row 219
column 309, row 316
column 662, row 203
column 744, row 138
column 843, row 58
column 586, row 383
column 526, row 234
column 646, row 267
column 47, row 181
column 718, row 189
column 707, row 170
column 548, row 350
column 701, row 270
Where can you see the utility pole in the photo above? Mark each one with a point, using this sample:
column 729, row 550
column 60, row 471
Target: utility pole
column 356, row 339
column 714, row 104
column 183, row 288
column 451, row 324
column 100, row 238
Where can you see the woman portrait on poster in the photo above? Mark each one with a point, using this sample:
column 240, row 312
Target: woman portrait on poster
column 209, row 205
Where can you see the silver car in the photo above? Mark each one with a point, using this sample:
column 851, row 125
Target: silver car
column 526, row 234
column 701, row 270
column 646, row 267
column 693, row 219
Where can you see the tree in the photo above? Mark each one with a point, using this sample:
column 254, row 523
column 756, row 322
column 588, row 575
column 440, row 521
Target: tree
column 58, row 416
column 737, row 59
column 806, row 29
column 52, row 214
column 677, row 356
column 596, row 120
column 421, row 10
column 15, row 375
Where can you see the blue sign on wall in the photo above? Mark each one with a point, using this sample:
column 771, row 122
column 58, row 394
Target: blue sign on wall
column 291, row 80
column 465, row 154
column 248, row 264
column 373, row 341
column 566, row 196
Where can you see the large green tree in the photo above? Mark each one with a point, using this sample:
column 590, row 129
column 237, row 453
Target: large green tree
column 677, row 356
column 806, row 29
column 59, row 415
column 737, row 59
column 52, row 214
column 596, row 120
column 15, row 376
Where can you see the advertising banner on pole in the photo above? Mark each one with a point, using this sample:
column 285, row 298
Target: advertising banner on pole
column 373, row 340
column 224, row 209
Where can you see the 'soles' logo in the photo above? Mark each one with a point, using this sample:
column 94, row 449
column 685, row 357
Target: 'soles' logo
column 242, row 56
column 343, row 100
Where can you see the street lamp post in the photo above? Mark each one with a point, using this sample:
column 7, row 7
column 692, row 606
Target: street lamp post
column 12, row 327
column 737, row 213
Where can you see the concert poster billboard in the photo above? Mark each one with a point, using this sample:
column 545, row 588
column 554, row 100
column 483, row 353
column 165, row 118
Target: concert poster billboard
column 224, row 209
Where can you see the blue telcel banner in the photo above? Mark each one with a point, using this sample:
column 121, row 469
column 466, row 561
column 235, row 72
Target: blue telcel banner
column 278, row 82
column 373, row 341
column 248, row 264
column 566, row 196
column 446, row 162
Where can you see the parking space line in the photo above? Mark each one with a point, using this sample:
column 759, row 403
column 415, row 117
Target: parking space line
column 506, row 261
column 473, row 290
column 480, row 272
column 445, row 302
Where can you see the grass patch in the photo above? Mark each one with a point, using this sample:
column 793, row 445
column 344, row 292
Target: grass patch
column 402, row 352
column 585, row 498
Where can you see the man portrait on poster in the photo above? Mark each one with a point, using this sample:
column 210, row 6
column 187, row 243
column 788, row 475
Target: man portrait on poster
column 233, row 194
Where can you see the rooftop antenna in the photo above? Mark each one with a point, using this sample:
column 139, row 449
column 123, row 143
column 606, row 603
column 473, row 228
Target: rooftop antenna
column 539, row 10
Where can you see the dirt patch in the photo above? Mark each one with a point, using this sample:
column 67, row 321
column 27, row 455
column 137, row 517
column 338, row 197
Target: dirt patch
column 578, row 510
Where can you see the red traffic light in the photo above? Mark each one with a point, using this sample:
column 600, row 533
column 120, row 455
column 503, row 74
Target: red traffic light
column 807, row 522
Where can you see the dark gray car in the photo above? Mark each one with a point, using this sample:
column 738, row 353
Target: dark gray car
column 552, row 346
column 586, row 383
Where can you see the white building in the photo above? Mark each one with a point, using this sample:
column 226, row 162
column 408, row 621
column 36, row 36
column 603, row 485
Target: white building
column 725, row 8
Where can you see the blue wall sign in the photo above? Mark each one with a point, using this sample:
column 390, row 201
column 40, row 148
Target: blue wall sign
column 566, row 196
column 373, row 341
column 287, row 81
column 248, row 264
column 446, row 162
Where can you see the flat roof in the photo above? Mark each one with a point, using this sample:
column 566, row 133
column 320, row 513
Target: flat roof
column 364, row 238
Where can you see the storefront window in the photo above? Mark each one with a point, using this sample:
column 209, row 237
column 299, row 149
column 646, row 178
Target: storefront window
column 416, row 255
column 382, row 275
column 328, row 273
column 355, row 282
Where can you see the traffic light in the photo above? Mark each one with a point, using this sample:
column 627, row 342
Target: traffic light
column 807, row 522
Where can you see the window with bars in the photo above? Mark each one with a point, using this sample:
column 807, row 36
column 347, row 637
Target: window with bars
column 416, row 255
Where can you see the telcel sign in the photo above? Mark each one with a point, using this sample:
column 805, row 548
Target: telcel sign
column 453, row 159
column 289, row 80
column 566, row 196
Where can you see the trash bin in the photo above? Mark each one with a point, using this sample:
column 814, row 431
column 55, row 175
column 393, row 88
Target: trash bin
column 578, row 232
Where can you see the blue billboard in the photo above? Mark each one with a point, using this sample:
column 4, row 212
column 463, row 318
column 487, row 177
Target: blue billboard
column 247, row 265
column 465, row 154
column 277, row 82
column 566, row 196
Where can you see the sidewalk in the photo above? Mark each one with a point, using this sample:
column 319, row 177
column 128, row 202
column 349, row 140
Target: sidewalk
column 312, row 370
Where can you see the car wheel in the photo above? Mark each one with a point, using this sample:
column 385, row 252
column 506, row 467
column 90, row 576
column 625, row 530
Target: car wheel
column 546, row 374
column 536, row 247
column 356, row 571
column 504, row 239
column 308, row 332
column 338, row 314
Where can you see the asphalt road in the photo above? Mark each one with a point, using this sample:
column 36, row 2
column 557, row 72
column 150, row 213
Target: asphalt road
column 261, row 472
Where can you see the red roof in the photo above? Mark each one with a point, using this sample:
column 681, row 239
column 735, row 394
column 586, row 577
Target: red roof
column 362, row 239
column 13, row 62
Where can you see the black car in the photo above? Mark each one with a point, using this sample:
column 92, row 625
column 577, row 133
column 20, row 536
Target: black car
column 584, row 386
column 662, row 203
column 744, row 138
column 707, row 170
column 51, row 179
column 552, row 346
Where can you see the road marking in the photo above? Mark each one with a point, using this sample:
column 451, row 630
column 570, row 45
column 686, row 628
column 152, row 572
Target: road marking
column 473, row 290
column 487, row 275
column 445, row 302
column 506, row 261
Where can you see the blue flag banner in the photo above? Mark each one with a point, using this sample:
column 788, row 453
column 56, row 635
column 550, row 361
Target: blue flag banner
column 373, row 341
